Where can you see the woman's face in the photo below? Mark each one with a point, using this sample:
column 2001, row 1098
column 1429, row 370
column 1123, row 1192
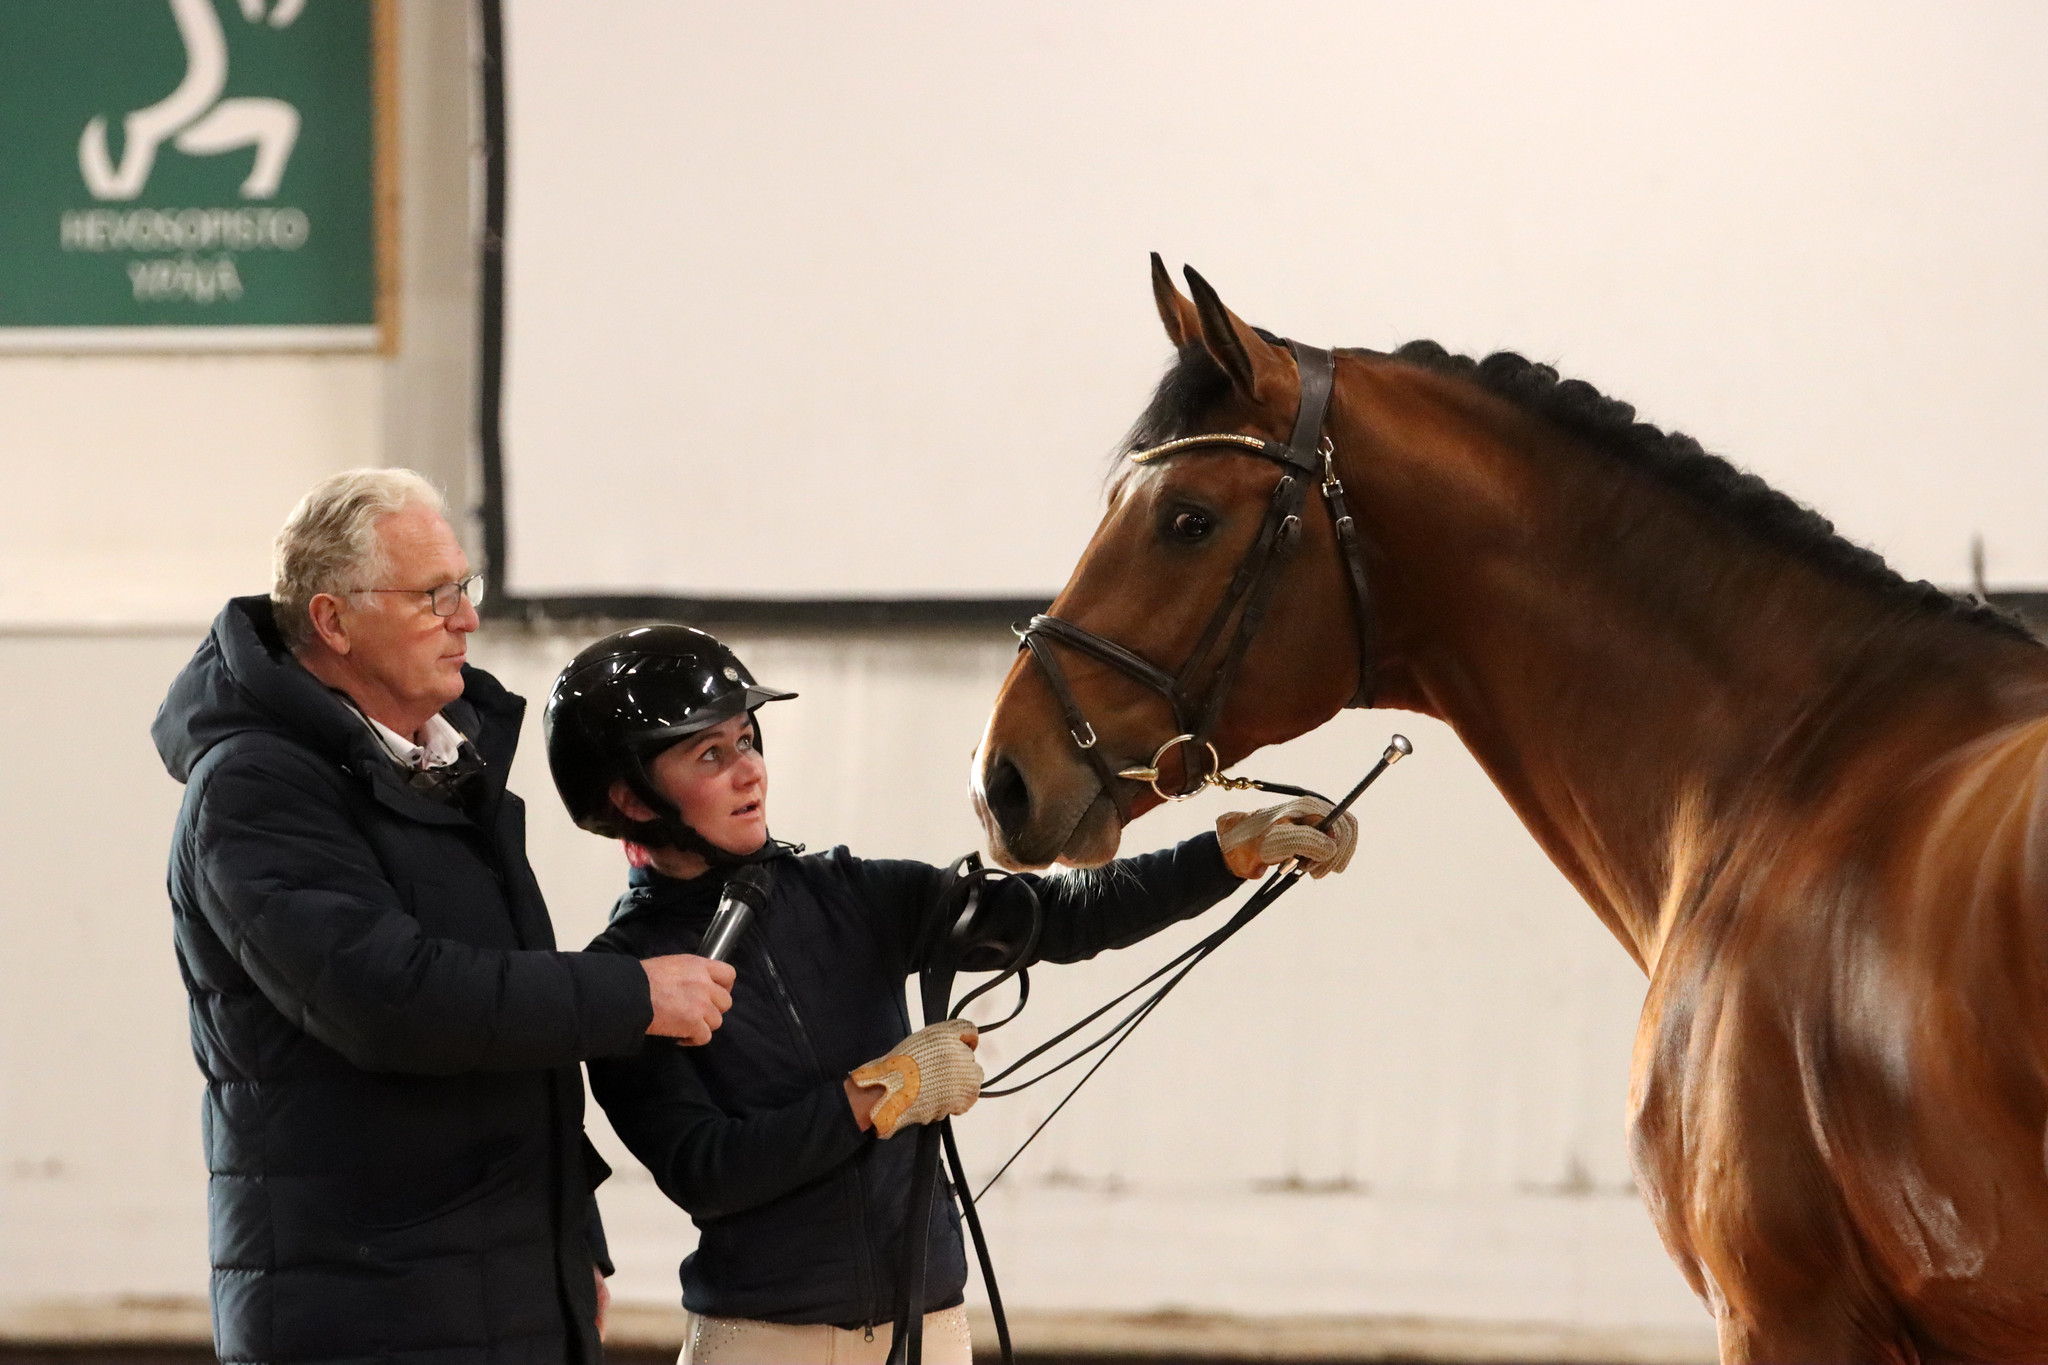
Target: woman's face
column 719, row 782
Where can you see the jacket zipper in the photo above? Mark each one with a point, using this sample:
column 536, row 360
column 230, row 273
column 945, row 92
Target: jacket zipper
column 860, row 1206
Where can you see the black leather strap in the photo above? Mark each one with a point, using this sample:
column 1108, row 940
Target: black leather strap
column 938, row 942
column 1282, row 533
column 1248, row 595
column 1249, row 569
column 906, row 1344
column 1353, row 554
column 1108, row 651
column 1318, row 371
column 1078, row 728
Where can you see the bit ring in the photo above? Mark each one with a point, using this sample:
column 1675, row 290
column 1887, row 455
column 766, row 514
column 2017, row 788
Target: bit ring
column 1150, row 773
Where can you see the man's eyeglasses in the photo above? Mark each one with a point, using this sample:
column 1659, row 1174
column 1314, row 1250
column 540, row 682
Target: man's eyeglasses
column 446, row 599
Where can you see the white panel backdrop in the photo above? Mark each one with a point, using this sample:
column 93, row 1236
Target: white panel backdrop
column 1398, row 1093
column 806, row 283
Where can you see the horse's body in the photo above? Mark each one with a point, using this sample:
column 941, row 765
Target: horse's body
column 1810, row 799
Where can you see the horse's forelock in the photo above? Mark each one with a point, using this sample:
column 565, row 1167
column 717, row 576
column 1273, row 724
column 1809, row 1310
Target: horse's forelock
column 1193, row 385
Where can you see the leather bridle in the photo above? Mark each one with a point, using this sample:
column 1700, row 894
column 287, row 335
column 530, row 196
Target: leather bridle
column 1197, row 705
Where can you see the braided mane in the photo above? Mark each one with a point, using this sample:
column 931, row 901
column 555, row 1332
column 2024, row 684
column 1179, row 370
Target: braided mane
column 1680, row 463
column 1195, row 384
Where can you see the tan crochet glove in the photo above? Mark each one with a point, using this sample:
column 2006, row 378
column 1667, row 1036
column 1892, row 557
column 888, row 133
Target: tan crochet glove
column 1256, row 840
column 929, row 1075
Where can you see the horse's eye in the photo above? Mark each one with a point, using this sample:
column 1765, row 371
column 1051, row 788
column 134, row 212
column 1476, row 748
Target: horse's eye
column 1191, row 525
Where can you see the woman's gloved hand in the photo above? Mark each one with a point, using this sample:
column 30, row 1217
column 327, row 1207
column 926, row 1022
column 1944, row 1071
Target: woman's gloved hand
column 930, row 1075
column 1258, row 839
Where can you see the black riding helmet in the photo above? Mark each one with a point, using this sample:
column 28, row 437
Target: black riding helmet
column 621, row 702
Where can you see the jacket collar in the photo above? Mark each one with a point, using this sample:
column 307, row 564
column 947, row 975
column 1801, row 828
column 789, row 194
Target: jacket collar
column 244, row 677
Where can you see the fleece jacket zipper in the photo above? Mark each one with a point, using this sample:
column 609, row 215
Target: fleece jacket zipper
column 864, row 1258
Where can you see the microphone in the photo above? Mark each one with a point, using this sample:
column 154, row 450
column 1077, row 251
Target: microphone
column 746, row 892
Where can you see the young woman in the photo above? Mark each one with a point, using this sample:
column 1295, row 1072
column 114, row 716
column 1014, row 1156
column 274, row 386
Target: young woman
column 775, row 1136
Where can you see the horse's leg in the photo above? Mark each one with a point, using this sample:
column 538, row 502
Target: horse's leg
column 1794, row 1279
column 1725, row 1150
column 1819, row 1335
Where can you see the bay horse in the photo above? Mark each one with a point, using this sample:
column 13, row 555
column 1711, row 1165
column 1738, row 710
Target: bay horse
column 1806, row 795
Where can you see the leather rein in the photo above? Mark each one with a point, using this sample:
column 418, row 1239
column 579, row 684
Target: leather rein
column 1308, row 454
column 1197, row 709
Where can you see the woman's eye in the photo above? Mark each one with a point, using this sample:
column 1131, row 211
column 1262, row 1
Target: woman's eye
column 1191, row 525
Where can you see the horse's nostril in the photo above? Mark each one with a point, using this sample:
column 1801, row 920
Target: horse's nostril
column 1009, row 800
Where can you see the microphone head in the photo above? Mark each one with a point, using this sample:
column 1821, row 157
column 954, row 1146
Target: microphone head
column 749, row 886
column 745, row 893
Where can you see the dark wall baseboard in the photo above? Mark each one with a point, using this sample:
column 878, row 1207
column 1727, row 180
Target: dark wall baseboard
column 866, row 613
column 2029, row 606
column 852, row 613
column 632, row 1355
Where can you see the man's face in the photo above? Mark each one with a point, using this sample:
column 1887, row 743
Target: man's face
column 396, row 641
column 719, row 782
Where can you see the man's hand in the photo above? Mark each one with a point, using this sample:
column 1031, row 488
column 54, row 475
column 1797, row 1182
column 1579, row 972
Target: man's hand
column 691, row 995
column 604, row 1302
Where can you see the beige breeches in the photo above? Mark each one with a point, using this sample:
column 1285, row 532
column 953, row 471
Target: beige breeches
column 742, row 1341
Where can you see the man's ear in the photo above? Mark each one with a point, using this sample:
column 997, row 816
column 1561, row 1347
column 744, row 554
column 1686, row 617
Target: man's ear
column 1259, row 370
column 628, row 802
column 328, row 628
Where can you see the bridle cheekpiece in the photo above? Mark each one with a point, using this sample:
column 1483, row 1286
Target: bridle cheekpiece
column 1309, row 454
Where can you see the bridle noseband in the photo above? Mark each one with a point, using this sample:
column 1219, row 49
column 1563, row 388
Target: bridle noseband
column 1308, row 454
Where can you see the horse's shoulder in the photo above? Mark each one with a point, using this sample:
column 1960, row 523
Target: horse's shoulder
column 1991, row 804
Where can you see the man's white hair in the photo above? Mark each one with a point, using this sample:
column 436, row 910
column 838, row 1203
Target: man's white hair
column 330, row 543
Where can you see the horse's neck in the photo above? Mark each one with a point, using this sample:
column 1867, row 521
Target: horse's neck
column 1637, row 677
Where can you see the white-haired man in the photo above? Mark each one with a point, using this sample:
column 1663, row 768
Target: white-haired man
column 393, row 1115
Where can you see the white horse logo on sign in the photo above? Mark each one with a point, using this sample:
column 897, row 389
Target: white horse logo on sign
column 193, row 117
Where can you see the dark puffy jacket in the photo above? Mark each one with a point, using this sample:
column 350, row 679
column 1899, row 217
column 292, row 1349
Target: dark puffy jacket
column 393, row 1114
column 800, row 1213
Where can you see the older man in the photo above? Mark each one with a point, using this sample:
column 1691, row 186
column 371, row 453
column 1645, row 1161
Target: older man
column 393, row 1115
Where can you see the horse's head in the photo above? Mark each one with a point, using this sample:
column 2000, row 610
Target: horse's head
column 1179, row 533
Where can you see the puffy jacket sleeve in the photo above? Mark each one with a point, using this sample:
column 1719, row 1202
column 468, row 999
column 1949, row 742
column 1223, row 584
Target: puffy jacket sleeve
column 300, row 900
column 1085, row 913
column 706, row 1160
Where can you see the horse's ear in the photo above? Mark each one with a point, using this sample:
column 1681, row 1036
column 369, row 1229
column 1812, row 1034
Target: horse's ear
column 1176, row 313
column 1254, row 366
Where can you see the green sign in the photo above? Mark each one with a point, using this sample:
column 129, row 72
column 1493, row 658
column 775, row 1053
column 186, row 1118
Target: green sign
column 187, row 174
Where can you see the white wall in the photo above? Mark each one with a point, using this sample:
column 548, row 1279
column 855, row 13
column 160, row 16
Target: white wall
column 1398, row 1094
column 137, row 492
column 143, row 489
column 897, row 253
